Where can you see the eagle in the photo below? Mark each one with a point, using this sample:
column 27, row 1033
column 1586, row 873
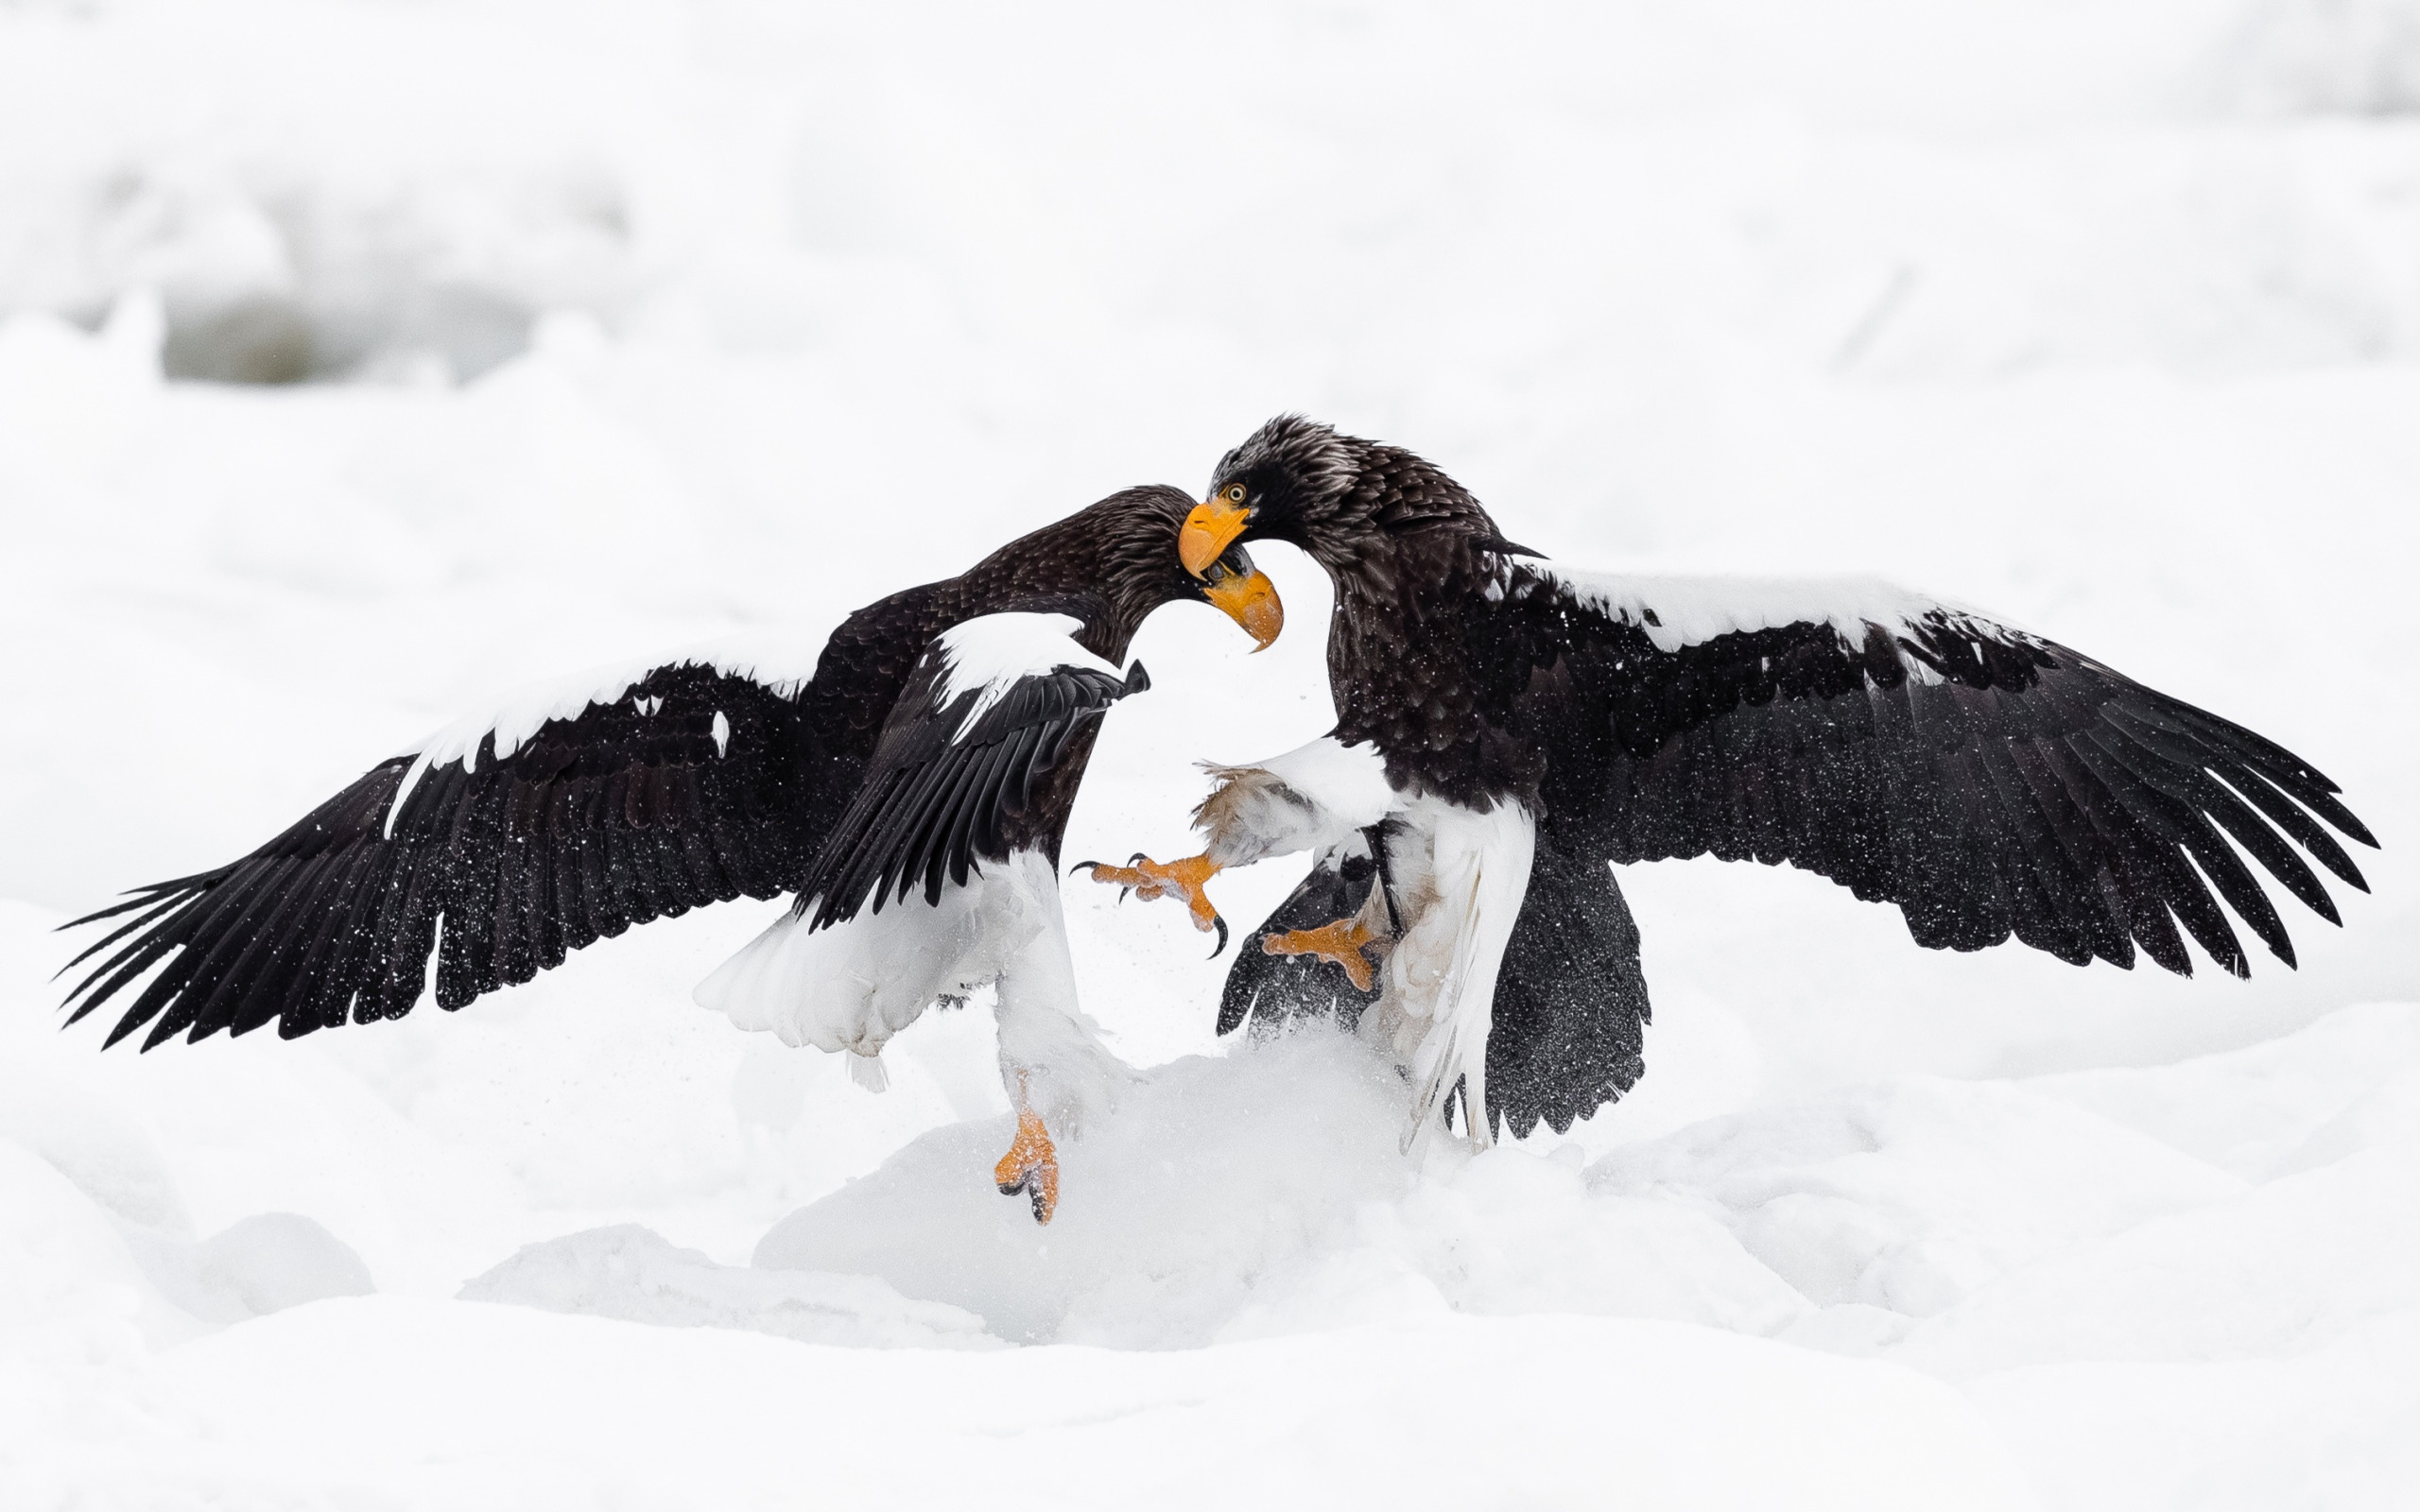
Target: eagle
column 906, row 777
column 1507, row 726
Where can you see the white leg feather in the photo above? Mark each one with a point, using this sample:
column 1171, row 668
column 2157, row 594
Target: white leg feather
column 1465, row 888
column 852, row 986
column 1051, row 1057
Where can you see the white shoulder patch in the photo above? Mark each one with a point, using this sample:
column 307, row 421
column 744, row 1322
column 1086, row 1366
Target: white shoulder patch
column 990, row 654
column 1681, row 612
column 781, row 658
column 1348, row 782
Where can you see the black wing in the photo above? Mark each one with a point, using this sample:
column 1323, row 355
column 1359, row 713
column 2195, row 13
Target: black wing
column 1570, row 1008
column 957, row 776
column 1988, row 782
column 1569, row 1029
column 685, row 790
column 1272, row 990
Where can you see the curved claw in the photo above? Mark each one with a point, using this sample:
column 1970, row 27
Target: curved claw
column 1032, row 1166
column 1096, row 867
column 1338, row 943
column 1149, row 878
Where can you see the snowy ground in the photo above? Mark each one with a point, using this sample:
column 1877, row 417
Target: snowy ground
column 641, row 322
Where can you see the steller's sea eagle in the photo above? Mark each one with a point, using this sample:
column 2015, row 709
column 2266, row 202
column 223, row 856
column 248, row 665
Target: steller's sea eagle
column 908, row 776
column 1506, row 727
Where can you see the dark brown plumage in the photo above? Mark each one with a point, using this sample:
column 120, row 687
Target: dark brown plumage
column 689, row 785
column 1987, row 782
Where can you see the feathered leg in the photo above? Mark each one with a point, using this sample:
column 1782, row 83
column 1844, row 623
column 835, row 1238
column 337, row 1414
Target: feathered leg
column 1056, row 1071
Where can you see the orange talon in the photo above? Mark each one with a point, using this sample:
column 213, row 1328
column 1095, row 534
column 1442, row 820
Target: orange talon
column 1154, row 879
column 1339, row 942
column 1032, row 1166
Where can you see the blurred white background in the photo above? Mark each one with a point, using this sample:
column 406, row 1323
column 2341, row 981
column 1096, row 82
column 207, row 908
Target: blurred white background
column 360, row 358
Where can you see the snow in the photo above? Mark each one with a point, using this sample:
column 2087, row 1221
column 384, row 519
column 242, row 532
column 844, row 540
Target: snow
column 1678, row 611
column 634, row 1274
column 711, row 1420
column 638, row 325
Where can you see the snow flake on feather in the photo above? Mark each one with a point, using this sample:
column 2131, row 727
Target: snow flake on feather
column 990, row 654
column 782, row 658
column 1678, row 611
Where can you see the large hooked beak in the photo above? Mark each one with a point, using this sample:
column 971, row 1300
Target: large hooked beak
column 1209, row 530
column 1244, row 594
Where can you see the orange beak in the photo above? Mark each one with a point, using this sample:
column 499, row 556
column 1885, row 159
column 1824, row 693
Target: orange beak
column 1209, row 530
column 1250, row 600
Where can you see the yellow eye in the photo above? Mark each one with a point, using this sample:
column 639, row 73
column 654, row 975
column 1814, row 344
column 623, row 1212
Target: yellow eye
column 1234, row 493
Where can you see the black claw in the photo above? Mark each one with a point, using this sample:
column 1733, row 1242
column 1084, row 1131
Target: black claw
column 1094, row 865
column 1136, row 856
column 1122, row 892
column 1031, row 1185
column 1221, row 950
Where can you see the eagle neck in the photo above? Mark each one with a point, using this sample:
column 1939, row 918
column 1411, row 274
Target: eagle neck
column 1063, row 571
column 1408, row 678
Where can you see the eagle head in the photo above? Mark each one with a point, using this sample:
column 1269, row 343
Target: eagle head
column 1128, row 532
column 1338, row 497
column 1287, row 482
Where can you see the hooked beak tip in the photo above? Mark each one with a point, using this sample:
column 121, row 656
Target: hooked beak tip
column 1252, row 604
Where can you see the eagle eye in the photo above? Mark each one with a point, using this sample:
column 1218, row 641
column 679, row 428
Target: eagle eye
column 1234, row 493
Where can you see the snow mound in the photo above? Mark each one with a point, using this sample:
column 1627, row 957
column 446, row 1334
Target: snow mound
column 1208, row 1171
column 94, row 1146
column 1970, row 1226
column 2298, row 1263
column 2270, row 1108
column 1906, row 1196
column 61, row 1264
column 634, row 1274
column 259, row 1265
column 2311, row 1255
column 1265, row 1192
column 273, row 1261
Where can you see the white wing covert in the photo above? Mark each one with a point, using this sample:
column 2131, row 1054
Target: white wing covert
column 989, row 710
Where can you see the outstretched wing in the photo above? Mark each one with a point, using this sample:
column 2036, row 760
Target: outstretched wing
column 994, row 704
column 1987, row 780
column 578, row 812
